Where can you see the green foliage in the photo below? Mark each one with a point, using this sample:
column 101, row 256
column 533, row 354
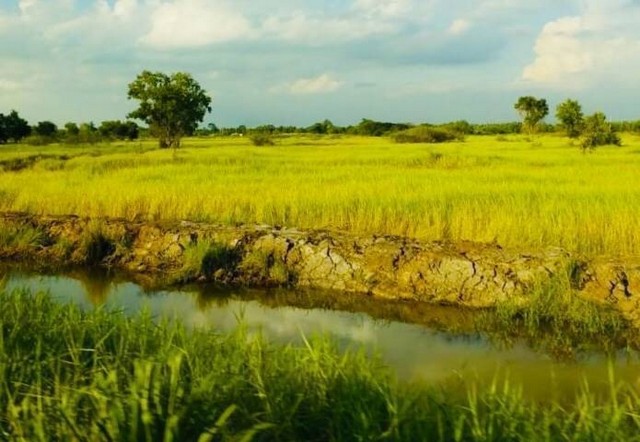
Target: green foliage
column 16, row 240
column 46, row 129
column 172, row 106
column 569, row 114
column 262, row 139
column 598, row 132
column 427, row 134
column 264, row 269
column 497, row 128
column 532, row 110
column 13, row 127
column 553, row 316
column 377, row 128
column 119, row 130
column 68, row 374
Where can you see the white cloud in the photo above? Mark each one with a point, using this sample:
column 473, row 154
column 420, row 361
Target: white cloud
column 581, row 50
column 459, row 26
column 302, row 28
column 384, row 8
column 560, row 52
column 195, row 23
column 125, row 9
column 321, row 84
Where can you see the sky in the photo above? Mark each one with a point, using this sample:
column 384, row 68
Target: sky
column 295, row 62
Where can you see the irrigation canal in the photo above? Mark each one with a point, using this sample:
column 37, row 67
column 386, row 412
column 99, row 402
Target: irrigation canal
column 448, row 353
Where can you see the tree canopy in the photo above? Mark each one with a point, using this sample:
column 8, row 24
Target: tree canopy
column 13, row 127
column 569, row 114
column 172, row 105
column 532, row 110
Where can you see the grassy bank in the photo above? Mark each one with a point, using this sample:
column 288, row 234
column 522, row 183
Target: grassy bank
column 518, row 192
column 69, row 375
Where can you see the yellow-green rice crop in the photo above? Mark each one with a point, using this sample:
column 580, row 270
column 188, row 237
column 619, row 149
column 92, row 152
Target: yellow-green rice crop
column 515, row 191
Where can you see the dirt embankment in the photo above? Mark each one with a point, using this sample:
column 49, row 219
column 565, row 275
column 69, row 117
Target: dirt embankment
column 465, row 273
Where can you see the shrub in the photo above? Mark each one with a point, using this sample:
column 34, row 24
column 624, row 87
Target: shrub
column 427, row 134
column 598, row 132
column 262, row 139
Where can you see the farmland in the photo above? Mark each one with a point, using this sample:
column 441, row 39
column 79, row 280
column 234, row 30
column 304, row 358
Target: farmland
column 511, row 190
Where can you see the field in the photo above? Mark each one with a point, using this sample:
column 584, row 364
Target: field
column 71, row 375
column 518, row 192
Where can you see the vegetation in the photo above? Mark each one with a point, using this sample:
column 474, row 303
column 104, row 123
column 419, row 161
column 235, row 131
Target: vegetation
column 569, row 114
column 532, row 110
column 557, row 321
column 172, row 106
column 598, row 132
column 73, row 375
column 484, row 190
column 427, row 134
column 262, row 139
column 13, row 128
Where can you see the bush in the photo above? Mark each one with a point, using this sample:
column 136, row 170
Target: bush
column 598, row 132
column 427, row 134
column 262, row 139
column 38, row 140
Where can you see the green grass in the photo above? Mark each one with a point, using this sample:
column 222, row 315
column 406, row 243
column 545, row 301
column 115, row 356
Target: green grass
column 72, row 375
column 554, row 319
column 513, row 190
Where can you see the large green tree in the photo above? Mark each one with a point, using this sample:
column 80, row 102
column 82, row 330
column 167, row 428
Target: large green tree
column 569, row 114
column 532, row 110
column 172, row 105
column 13, row 127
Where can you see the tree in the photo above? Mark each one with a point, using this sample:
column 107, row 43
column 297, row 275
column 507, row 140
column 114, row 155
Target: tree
column 118, row 130
column 569, row 113
column 71, row 129
column 532, row 110
column 46, row 129
column 172, row 106
column 598, row 132
column 13, row 128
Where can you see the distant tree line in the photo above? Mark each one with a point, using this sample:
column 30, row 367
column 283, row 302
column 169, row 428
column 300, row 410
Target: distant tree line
column 593, row 130
column 15, row 129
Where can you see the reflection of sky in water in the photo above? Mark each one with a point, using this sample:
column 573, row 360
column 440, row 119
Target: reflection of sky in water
column 413, row 351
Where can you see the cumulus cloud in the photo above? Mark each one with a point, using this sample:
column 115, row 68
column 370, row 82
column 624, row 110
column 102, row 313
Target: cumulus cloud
column 321, row 84
column 384, row 8
column 459, row 26
column 302, row 28
column 195, row 23
column 579, row 50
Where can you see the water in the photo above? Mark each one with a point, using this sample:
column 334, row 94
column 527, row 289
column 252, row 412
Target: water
column 442, row 348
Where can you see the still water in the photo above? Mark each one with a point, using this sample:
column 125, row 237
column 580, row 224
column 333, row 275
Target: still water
column 439, row 346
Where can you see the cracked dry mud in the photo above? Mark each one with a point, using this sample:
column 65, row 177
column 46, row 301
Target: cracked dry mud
column 463, row 273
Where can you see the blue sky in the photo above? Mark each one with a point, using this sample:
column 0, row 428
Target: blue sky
column 300, row 61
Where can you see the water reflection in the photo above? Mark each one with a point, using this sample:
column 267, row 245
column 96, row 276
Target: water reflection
column 416, row 351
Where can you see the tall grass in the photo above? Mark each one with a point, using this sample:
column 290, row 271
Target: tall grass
column 72, row 375
column 558, row 321
column 513, row 191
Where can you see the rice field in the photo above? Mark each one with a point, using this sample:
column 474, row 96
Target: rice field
column 516, row 191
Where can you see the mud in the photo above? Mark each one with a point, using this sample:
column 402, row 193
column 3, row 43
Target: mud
column 464, row 273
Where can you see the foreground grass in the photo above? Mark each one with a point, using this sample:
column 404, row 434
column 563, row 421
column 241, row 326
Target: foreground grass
column 70, row 375
column 512, row 190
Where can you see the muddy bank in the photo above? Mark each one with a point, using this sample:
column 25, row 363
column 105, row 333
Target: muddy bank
column 465, row 273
